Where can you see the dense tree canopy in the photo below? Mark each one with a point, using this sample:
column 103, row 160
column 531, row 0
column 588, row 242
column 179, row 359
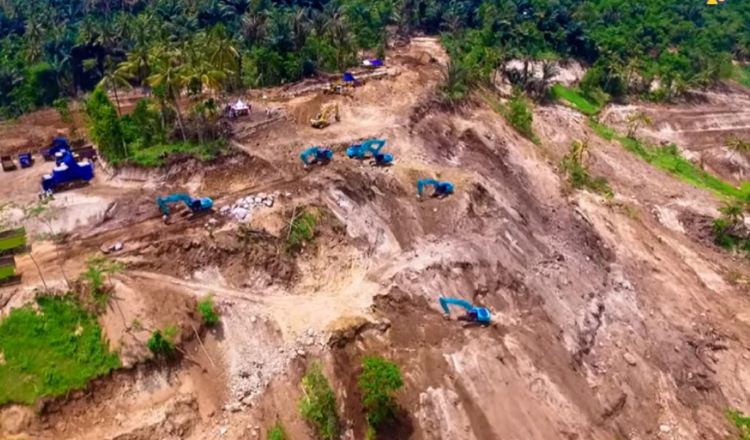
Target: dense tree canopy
column 52, row 48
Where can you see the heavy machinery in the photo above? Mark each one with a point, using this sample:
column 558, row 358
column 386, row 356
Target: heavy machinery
column 58, row 145
column 371, row 147
column 441, row 189
column 478, row 315
column 26, row 160
column 372, row 63
column 327, row 115
column 67, row 172
column 12, row 242
column 196, row 205
column 316, row 155
column 7, row 163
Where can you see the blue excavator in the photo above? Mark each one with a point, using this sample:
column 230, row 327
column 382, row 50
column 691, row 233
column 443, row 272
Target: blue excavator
column 370, row 147
column 196, row 205
column 316, row 155
column 479, row 315
column 440, row 189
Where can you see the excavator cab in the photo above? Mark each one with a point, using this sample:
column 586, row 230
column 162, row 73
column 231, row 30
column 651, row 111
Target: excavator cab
column 316, row 155
column 370, row 147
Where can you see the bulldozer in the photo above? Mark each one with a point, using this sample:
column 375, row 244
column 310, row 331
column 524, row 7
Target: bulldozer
column 327, row 115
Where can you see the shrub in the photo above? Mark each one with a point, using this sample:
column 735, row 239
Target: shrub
column 741, row 422
column 301, row 230
column 578, row 175
column 379, row 381
column 318, row 406
column 519, row 115
column 163, row 342
column 277, row 432
column 207, row 309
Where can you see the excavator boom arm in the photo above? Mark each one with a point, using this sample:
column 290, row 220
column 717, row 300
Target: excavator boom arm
column 445, row 303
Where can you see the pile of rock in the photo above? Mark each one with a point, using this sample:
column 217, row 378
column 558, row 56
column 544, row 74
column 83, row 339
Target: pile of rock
column 242, row 209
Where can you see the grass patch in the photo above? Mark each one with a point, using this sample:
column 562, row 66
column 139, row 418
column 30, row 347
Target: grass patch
column 301, row 230
column 7, row 271
column 741, row 422
column 575, row 99
column 669, row 159
column 51, row 351
column 318, row 405
column 277, row 432
column 156, row 156
column 741, row 74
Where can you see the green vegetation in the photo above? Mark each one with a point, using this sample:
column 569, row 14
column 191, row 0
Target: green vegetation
column 741, row 422
column 52, row 50
column 669, row 159
column 97, row 269
column 575, row 99
column 379, row 381
column 318, row 405
column 301, row 230
column 162, row 342
column 574, row 166
column 207, row 309
column 741, row 74
column 7, row 271
column 50, row 351
column 14, row 240
column 277, row 432
column 729, row 230
column 519, row 116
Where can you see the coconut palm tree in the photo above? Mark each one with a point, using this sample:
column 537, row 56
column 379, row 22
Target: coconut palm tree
column 168, row 74
column 114, row 79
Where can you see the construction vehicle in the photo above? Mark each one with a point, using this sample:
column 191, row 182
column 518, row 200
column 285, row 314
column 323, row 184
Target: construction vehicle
column 479, row 315
column 26, row 160
column 327, row 115
column 316, row 155
column 58, row 145
column 7, row 163
column 371, row 147
column 196, row 205
column 12, row 241
column 8, row 271
column 67, row 173
column 441, row 189
column 372, row 63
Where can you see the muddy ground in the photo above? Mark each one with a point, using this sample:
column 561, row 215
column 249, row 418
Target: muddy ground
column 612, row 318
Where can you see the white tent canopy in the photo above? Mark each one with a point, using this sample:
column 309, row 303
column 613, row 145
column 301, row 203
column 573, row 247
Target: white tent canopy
column 240, row 106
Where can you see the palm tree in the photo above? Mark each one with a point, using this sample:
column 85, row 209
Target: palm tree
column 300, row 26
column 635, row 120
column 169, row 74
column 254, row 27
column 341, row 37
column 114, row 79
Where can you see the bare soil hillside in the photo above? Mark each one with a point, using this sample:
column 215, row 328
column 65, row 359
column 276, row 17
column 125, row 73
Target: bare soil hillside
column 611, row 318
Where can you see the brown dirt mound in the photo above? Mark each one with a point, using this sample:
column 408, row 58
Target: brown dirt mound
column 249, row 259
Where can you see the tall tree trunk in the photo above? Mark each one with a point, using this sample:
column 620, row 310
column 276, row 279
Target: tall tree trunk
column 117, row 101
column 179, row 118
